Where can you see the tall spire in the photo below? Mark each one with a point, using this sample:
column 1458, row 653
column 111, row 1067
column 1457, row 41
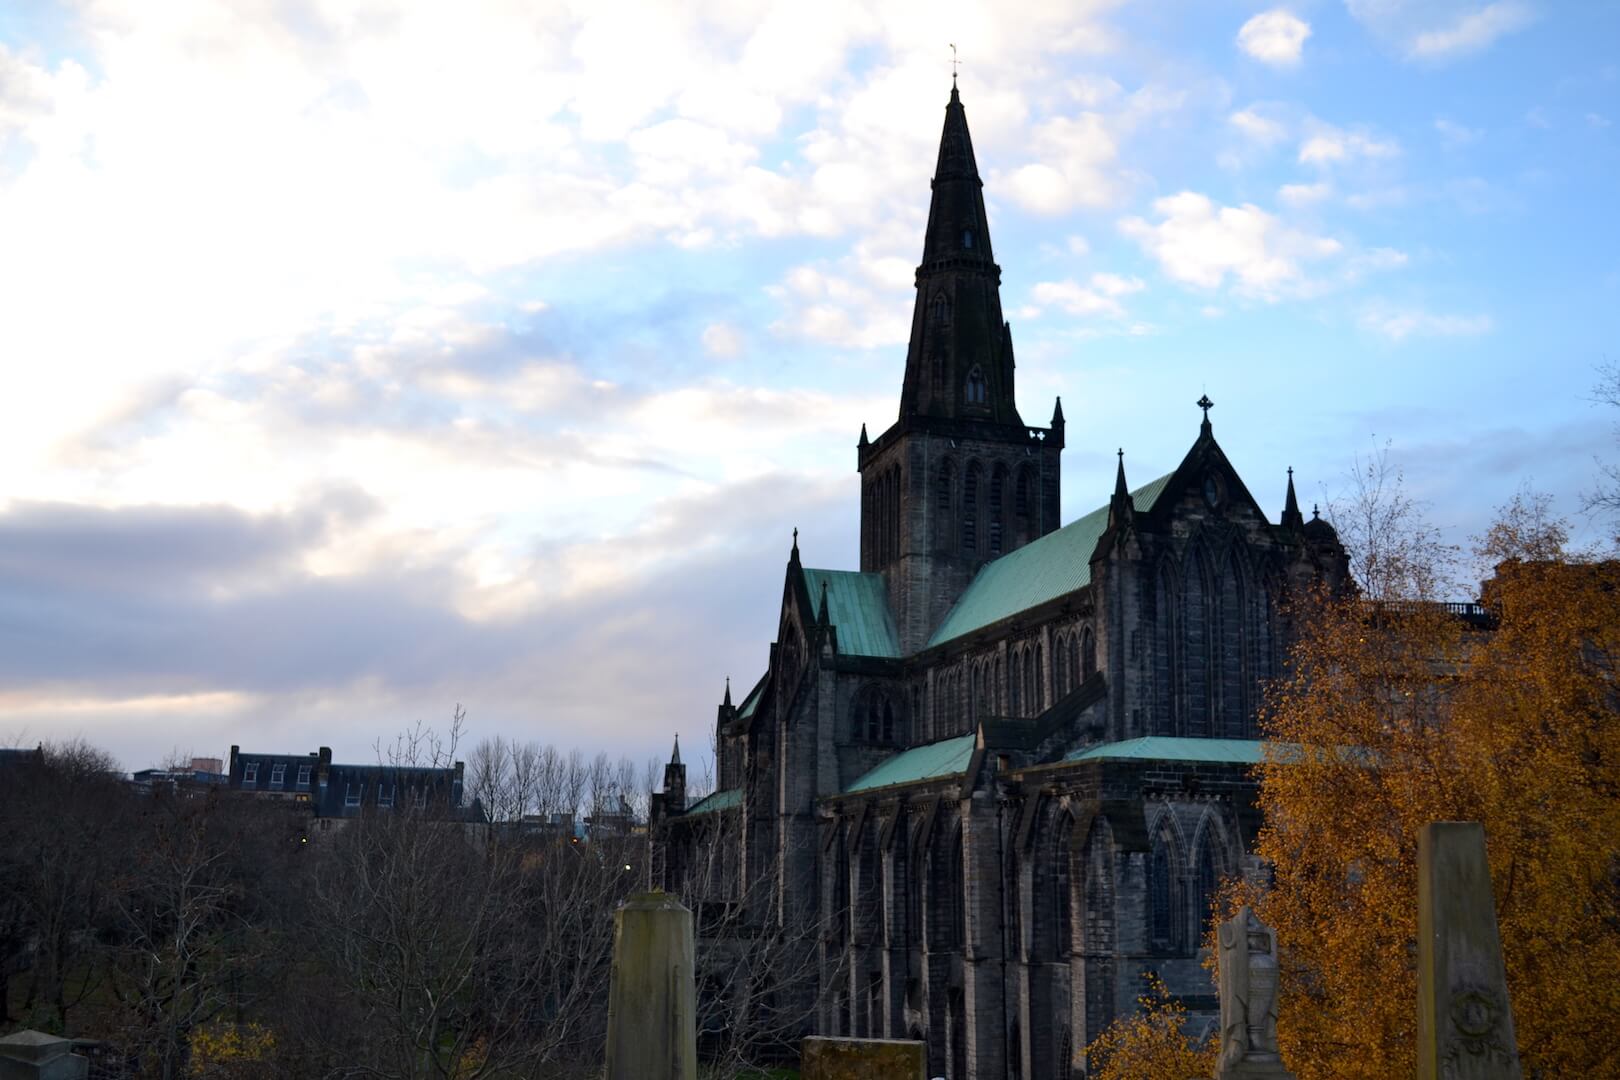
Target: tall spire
column 1120, row 505
column 675, row 757
column 1292, row 518
column 959, row 363
column 727, row 701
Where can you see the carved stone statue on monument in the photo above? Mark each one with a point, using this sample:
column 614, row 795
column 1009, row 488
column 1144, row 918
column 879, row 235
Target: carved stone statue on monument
column 1248, row 1000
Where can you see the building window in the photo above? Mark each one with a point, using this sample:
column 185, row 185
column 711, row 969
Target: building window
column 1088, row 653
column 1208, row 881
column 970, row 512
column 303, row 776
column 998, row 484
column 941, row 310
column 967, row 238
column 1161, row 916
column 352, row 793
column 385, row 795
column 278, row 777
column 978, row 391
column 888, row 722
column 250, row 774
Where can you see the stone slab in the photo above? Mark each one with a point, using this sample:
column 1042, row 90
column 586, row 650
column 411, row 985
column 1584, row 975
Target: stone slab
column 823, row 1058
column 652, row 1015
column 1465, row 1020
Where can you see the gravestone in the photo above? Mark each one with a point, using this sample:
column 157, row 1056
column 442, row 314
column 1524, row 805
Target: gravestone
column 823, row 1058
column 652, row 1018
column 34, row 1055
column 1465, row 1020
column 1248, row 970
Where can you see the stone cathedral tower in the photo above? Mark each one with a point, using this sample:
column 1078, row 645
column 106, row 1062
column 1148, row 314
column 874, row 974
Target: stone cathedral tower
column 959, row 479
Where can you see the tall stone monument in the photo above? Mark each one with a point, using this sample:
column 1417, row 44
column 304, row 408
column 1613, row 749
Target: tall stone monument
column 652, row 1014
column 1249, row 1001
column 1465, row 1020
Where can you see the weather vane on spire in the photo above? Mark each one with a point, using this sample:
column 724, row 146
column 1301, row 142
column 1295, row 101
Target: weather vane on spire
column 955, row 63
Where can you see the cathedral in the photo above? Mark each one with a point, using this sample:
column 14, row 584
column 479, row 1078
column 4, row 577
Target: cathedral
column 1000, row 769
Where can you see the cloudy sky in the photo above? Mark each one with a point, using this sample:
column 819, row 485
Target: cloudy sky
column 359, row 359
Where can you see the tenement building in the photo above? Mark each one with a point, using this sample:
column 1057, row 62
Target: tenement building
column 1000, row 769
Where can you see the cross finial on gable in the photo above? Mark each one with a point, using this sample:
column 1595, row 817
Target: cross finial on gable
column 1205, row 404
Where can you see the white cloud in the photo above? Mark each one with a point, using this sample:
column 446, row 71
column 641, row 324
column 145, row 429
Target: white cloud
column 1398, row 325
column 1099, row 296
column 1473, row 31
column 721, row 339
column 1331, row 146
column 1597, row 120
column 1201, row 244
column 1275, row 37
column 1440, row 30
column 1074, row 167
column 1453, row 134
column 1304, row 194
column 1256, row 127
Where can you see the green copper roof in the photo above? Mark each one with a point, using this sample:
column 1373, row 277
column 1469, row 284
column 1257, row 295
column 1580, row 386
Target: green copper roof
column 720, row 800
column 858, row 605
column 1168, row 748
column 949, row 757
column 751, row 702
column 1057, row 563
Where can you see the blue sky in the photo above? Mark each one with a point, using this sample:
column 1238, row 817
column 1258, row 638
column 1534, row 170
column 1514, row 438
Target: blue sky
column 358, row 360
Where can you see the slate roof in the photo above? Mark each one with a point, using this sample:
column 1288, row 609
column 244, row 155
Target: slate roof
column 1057, row 563
column 948, row 757
column 858, row 605
column 1170, row 748
column 716, row 802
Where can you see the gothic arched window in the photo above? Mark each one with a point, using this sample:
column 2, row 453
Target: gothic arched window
column 998, row 484
column 970, row 511
column 1088, row 654
column 978, row 391
column 940, row 310
column 1161, row 915
column 1208, row 880
column 967, row 238
column 1063, row 896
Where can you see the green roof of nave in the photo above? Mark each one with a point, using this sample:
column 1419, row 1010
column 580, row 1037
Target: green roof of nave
column 858, row 605
column 1045, row 569
column 948, row 757
column 1176, row 748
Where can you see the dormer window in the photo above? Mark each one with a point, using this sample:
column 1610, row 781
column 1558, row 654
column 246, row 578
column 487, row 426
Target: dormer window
column 978, row 391
column 967, row 238
column 941, row 309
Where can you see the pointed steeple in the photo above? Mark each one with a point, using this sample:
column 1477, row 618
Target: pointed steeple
column 675, row 757
column 1292, row 518
column 959, row 361
column 793, row 556
column 727, row 701
column 1120, row 506
column 821, row 615
column 865, row 442
column 1057, row 424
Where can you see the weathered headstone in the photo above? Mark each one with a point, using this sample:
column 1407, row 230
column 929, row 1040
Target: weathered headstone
column 34, row 1055
column 823, row 1058
column 1465, row 1020
column 652, row 1015
column 1249, row 1001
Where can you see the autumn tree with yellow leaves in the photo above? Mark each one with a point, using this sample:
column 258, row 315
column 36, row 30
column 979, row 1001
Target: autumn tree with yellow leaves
column 1398, row 711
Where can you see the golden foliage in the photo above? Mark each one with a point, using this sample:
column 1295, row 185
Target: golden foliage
column 231, row 1051
column 1150, row 1044
column 1397, row 715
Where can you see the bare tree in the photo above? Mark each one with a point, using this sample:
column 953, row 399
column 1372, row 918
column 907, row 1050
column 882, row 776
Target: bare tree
column 1604, row 498
column 1395, row 552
